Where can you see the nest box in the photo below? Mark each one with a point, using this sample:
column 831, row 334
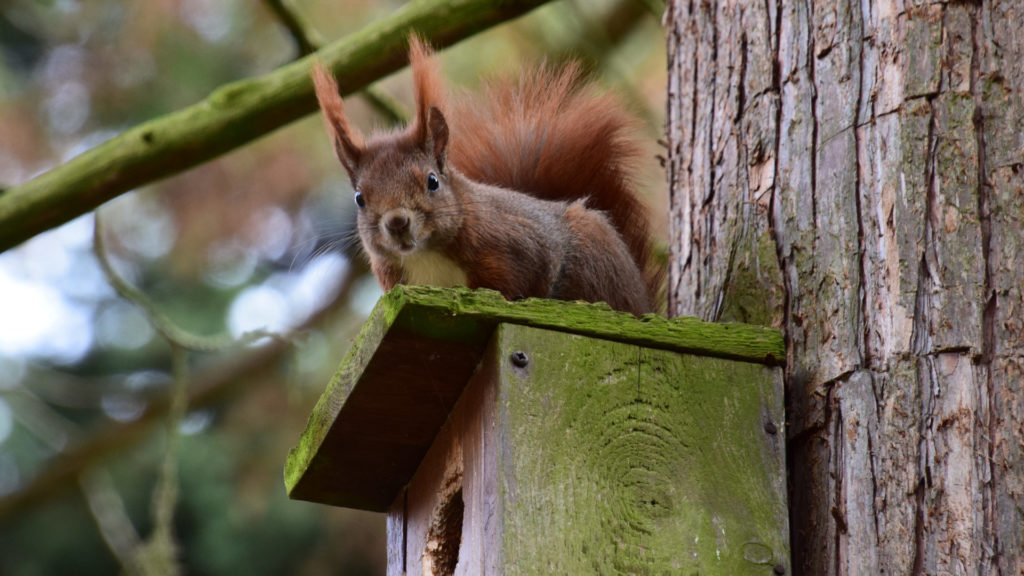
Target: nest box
column 547, row 437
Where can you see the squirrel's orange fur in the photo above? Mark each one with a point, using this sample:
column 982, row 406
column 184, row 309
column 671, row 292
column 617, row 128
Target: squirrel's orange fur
column 526, row 188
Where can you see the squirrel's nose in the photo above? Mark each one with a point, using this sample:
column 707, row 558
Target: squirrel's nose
column 397, row 223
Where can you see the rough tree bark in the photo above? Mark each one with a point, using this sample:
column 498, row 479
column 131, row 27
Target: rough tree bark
column 853, row 173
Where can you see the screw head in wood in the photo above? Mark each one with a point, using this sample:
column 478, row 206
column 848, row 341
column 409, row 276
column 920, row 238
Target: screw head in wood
column 519, row 359
column 779, row 569
column 771, row 428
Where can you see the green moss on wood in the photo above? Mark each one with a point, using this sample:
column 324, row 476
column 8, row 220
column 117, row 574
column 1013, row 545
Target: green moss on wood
column 754, row 291
column 463, row 320
column 624, row 460
column 461, row 313
column 301, row 458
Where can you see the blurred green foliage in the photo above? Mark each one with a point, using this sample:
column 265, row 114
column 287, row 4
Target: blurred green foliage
column 262, row 237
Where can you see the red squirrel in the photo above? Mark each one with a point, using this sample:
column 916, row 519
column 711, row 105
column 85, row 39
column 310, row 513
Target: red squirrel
column 526, row 189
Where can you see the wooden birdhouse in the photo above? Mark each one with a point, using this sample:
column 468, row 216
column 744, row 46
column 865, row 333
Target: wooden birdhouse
column 546, row 437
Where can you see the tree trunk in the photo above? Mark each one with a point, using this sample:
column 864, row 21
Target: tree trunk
column 852, row 172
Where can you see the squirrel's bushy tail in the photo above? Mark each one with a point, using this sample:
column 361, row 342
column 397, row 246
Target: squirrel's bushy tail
column 554, row 136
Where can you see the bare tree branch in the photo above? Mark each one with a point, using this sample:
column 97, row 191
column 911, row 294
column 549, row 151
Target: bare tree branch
column 158, row 554
column 235, row 114
column 108, row 510
column 308, row 40
column 213, row 386
column 209, row 388
column 175, row 335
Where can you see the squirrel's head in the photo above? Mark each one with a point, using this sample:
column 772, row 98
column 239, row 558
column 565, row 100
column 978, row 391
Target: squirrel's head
column 402, row 181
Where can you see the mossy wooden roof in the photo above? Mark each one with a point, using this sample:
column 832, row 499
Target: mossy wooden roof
column 402, row 376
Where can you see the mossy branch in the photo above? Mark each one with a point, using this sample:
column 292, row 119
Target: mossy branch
column 236, row 114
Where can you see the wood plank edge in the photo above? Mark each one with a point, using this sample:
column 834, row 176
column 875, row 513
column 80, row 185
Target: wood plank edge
column 326, row 410
column 731, row 340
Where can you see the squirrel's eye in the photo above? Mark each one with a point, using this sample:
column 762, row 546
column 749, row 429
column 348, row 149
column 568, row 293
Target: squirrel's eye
column 432, row 183
column 359, row 199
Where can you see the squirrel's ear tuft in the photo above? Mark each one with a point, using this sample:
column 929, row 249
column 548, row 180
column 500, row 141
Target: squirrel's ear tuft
column 427, row 86
column 437, row 142
column 348, row 143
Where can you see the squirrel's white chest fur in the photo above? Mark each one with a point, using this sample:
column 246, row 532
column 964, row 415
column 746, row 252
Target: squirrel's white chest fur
column 429, row 268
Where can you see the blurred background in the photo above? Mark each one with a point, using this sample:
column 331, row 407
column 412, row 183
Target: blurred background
column 260, row 239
